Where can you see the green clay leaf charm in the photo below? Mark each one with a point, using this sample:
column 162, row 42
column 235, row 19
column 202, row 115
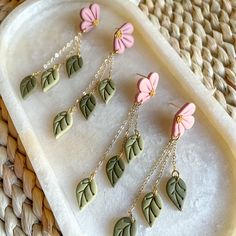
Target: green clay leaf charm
column 87, row 105
column 133, row 147
column 125, row 227
column 50, row 78
column 27, row 85
column 107, row 89
column 62, row 123
column 85, row 192
column 73, row 64
column 115, row 168
column 176, row 190
column 151, row 207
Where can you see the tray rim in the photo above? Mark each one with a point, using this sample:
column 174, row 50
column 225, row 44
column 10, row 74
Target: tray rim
column 219, row 119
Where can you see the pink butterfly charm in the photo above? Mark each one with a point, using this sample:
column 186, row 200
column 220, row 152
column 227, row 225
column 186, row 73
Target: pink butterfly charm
column 123, row 38
column 147, row 87
column 90, row 17
column 183, row 120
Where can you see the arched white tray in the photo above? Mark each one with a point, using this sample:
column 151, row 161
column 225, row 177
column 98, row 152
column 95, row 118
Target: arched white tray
column 206, row 154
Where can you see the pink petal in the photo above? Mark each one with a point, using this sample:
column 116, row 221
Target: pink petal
column 178, row 130
column 142, row 97
column 175, row 130
column 154, row 79
column 86, row 26
column 144, row 85
column 188, row 122
column 118, row 46
column 87, row 15
column 187, row 110
column 127, row 28
column 128, row 41
column 181, row 129
column 95, row 9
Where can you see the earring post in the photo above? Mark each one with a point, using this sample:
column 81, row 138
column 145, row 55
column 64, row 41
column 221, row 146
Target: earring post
column 141, row 75
column 170, row 103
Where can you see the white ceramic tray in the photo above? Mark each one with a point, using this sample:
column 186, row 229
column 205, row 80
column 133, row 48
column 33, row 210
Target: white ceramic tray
column 206, row 154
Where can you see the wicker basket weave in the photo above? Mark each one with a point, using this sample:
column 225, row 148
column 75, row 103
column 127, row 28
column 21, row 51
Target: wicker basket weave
column 203, row 33
column 24, row 210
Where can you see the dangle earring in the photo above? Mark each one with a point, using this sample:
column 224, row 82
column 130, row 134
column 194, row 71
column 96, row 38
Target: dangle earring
column 49, row 76
column 132, row 144
column 176, row 187
column 86, row 103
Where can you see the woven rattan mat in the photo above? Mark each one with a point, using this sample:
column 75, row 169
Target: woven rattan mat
column 24, row 210
column 203, row 32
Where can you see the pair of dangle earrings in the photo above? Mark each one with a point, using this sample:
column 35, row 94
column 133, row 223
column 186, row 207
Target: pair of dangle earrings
column 132, row 144
column 101, row 82
column 49, row 76
column 175, row 188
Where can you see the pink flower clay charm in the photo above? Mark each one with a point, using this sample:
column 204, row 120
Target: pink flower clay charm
column 90, row 17
column 147, row 87
column 123, row 38
column 183, row 120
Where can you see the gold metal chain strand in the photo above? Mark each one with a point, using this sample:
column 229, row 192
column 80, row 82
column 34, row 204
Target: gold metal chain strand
column 164, row 154
column 174, row 159
column 76, row 40
column 133, row 120
column 35, row 74
column 111, row 65
column 175, row 172
column 76, row 46
column 92, row 85
column 129, row 125
column 98, row 76
column 117, row 135
column 130, row 121
column 58, row 54
column 172, row 153
column 136, row 119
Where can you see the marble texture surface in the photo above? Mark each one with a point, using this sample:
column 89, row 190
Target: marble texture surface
column 136, row 2
column 205, row 155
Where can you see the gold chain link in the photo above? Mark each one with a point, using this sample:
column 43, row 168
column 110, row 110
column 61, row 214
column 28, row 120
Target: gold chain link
column 114, row 140
column 164, row 156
